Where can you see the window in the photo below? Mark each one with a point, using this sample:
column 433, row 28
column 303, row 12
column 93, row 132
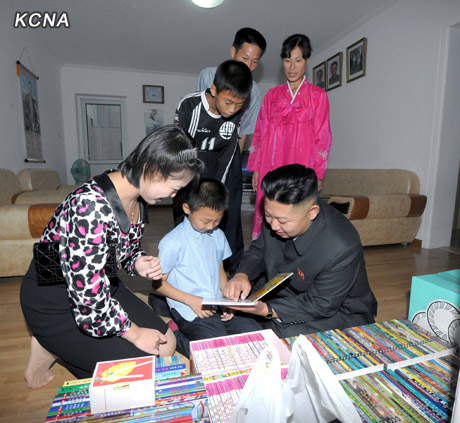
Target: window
column 103, row 132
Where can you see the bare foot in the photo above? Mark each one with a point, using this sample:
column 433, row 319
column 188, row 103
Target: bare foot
column 38, row 371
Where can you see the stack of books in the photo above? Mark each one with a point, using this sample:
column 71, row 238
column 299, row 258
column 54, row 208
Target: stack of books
column 392, row 371
column 423, row 392
column 179, row 398
column 386, row 345
column 225, row 364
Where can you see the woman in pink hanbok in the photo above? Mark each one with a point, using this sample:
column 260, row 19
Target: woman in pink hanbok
column 293, row 124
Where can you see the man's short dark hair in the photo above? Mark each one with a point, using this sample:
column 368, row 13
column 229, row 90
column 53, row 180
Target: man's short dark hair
column 291, row 184
column 296, row 40
column 209, row 193
column 233, row 76
column 166, row 151
column 250, row 36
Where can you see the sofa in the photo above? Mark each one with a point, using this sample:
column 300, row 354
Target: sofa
column 384, row 205
column 39, row 184
column 32, row 186
column 27, row 201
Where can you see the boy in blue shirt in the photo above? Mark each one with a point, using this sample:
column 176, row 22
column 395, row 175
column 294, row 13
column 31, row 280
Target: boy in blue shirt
column 192, row 257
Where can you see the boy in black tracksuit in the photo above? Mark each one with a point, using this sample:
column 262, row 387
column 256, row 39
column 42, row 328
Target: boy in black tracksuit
column 212, row 119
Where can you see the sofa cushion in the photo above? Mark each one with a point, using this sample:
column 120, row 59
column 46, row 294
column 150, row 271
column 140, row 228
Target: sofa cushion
column 38, row 179
column 39, row 197
column 388, row 231
column 369, row 182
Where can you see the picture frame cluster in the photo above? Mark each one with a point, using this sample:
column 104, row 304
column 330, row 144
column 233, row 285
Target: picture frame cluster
column 328, row 74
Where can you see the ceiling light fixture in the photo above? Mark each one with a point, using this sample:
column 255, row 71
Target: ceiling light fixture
column 208, row 4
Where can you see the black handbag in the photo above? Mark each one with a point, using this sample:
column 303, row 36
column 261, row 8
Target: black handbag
column 48, row 267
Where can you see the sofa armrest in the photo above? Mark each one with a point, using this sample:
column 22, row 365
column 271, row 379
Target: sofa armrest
column 354, row 207
column 24, row 221
column 379, row 206
column 418, row 204
column 39, row 215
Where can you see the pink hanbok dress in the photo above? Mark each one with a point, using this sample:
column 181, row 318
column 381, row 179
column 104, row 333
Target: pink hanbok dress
column 291, row 128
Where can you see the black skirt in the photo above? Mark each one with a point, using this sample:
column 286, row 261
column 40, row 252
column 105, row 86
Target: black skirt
column 48, row 314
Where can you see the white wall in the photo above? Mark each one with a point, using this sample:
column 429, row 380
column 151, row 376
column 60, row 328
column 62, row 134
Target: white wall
column 447, row 152
column 121, row 83
column 389, row 118
column 37, row 58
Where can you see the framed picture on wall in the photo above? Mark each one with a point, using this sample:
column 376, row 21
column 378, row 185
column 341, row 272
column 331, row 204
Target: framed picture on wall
column 320, row 75
column 356, row 60
column 31, row 115
column 153, row 119
column 334, row 71
column 153, row 94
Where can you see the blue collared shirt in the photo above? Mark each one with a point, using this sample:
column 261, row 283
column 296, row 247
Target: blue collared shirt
column 193, row 260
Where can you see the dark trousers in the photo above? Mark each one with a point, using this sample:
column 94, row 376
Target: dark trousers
column 231, row 223
column 213, row 327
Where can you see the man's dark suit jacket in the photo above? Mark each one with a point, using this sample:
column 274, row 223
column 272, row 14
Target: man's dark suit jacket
column 329, row 287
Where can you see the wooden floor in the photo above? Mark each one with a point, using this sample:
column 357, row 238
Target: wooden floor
column 390, row 269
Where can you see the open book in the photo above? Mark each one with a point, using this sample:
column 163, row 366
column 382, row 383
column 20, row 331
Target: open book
column 252, row 299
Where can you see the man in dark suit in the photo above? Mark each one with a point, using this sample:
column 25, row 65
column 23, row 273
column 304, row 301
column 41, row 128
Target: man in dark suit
column 329, row 287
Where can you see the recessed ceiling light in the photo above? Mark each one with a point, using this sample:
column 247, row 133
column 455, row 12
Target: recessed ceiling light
column 208, row 4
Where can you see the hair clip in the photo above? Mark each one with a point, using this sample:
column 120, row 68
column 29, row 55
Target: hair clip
column 184, row 155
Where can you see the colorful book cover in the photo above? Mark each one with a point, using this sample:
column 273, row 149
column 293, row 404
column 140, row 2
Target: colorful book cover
column 123, row 384
column 123, row 371
column 251, row 300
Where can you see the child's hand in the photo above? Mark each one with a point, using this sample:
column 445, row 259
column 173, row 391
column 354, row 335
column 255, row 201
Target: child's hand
column 203, row 312
column 148, row 267
column 227, row 314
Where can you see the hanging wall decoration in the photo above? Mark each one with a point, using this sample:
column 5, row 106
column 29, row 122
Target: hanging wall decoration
column 356, row 60
column 320, row 75
column 334, row 71
column 153, row 119
column 31, row 115
column 153, row 94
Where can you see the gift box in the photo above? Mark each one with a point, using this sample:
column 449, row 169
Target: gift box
column 435, row 304
column 122, row 384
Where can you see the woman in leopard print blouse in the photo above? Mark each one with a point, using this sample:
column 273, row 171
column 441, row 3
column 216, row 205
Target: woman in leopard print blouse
column 92, row 317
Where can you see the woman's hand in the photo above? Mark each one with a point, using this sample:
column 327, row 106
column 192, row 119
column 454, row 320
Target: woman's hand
column 146, row 339
column 255, row 180
column 203, row 312
column 148, row 267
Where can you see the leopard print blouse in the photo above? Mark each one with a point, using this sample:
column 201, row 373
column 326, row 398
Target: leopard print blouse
column 84, row 224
